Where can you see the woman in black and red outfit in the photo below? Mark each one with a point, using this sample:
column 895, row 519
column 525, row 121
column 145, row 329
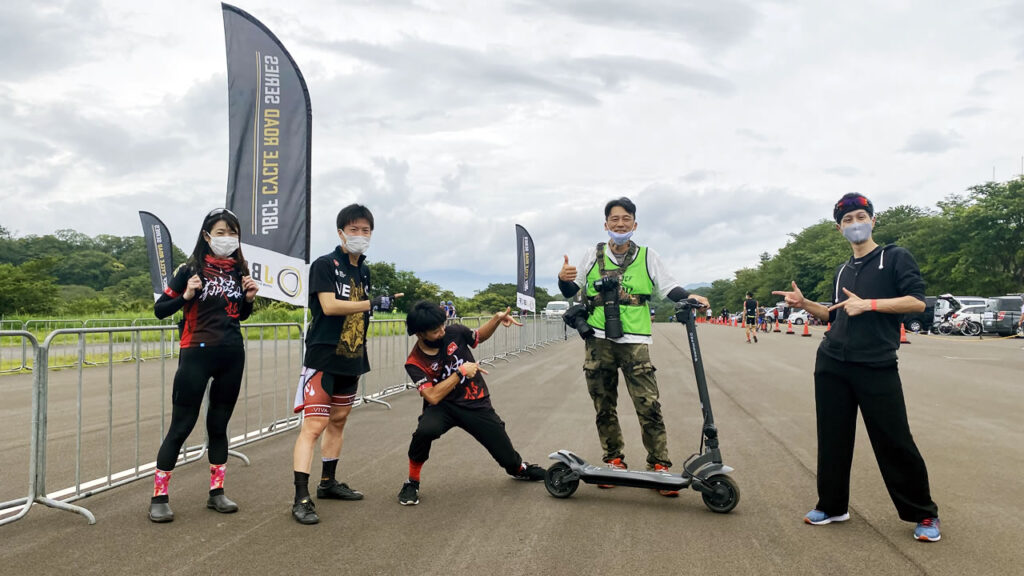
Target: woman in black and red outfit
column 215, row 291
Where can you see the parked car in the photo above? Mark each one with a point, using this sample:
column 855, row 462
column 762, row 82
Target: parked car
column 1002, row 316
column 799, row 317
column 555, row 309
column 968, row 320
column 922, row 321
column 947, row 304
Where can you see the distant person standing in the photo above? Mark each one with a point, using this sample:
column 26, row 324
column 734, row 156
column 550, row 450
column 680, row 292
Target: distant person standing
column 856, row 367
column 750, row 317
column 708, row 313
column 216, row 293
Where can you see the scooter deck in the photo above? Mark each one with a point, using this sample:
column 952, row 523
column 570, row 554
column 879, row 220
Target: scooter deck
column 591, row 474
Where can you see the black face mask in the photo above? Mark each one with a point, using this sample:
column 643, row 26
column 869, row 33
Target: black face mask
column 434, row 343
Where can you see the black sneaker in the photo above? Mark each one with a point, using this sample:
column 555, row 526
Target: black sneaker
column 304, row 512
column 755, row 338
column 337, row 491
column 531, row 473
column 410, row 494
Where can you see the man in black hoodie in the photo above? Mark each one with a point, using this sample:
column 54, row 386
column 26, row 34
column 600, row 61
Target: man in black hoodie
column 856, row 367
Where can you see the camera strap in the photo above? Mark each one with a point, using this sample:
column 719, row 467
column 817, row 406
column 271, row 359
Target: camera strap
column 625, row 298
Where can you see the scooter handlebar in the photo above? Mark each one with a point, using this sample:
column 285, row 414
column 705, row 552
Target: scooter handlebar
column 688, row 304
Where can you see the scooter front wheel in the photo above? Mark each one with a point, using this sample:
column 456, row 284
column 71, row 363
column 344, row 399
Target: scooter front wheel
column 725, row 496
column 559, row 481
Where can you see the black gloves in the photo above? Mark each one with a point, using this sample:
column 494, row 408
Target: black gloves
column 677, row 294
column 382, row 304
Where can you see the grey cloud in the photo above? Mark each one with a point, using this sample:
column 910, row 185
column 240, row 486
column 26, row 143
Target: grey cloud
column 753, row 135
column 983, row 81
column 421, row 63
column 931, row 142
column 710, row 25
column 452, row 183
column 845, row 171
column 969, row 111
column 443, row 87
column 615, row 70
column 34, row 35
column 396, row 174
column 109, row 147
column 696, row 176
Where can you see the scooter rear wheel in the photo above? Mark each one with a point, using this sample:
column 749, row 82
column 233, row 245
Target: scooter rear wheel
column 726, row 494
column 557, row 480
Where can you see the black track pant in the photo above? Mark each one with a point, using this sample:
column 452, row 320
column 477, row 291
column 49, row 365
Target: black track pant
column 195, row 368
column 839, row 389
column 483, row 424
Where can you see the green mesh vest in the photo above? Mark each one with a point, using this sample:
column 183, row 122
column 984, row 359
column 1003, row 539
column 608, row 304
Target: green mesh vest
column 636, row 289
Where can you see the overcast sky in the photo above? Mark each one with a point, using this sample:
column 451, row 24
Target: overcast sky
column 729, row 123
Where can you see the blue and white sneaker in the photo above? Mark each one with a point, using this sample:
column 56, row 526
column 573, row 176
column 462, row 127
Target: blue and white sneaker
column 927, row 530
column 819, row 518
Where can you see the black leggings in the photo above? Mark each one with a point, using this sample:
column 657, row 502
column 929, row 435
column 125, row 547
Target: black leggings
column 483, row 424
column 195, row 367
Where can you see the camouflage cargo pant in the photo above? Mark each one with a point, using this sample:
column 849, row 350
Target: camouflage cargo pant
column 601, row 367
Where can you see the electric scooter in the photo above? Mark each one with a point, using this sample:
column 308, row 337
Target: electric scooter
column 703, row 471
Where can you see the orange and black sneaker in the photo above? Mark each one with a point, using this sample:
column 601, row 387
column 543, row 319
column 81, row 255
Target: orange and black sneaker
column 616, row 463
column 669, row 493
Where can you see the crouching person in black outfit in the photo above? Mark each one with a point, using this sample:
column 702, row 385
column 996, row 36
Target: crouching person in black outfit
column 454, row 393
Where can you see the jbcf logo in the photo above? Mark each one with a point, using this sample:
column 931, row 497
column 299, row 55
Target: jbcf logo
column 289, row 281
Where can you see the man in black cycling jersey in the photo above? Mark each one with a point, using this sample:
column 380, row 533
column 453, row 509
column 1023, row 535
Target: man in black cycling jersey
column 750, row 317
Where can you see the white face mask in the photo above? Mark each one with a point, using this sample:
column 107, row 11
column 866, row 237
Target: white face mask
column 223, row 246
column 356, row 244
column 620, row 239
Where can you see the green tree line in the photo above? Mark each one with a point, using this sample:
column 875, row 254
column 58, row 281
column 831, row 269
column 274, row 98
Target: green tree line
column 71, row 274
column 971, row 243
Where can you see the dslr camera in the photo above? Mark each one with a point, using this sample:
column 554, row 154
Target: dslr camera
column 576, row 317
column 608, row 286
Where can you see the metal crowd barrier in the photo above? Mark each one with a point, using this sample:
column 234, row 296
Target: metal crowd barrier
column 37, row 443
column 103, row 421
column 388, row 346
column 108, row 430
column 13, row 356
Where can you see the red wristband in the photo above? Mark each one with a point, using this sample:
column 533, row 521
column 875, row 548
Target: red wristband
column 462, row 369
column 874, row 304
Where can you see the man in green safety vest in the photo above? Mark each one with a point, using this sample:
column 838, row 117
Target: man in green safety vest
column 619, row 278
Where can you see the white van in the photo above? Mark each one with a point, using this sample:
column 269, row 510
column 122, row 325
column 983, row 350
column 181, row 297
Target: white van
column 944, row 306
column 555, row 309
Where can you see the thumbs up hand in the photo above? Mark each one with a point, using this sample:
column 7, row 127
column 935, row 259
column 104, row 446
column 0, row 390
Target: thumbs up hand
column 568, row 272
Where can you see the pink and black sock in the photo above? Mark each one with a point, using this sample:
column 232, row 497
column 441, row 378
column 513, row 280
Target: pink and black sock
column 161, row 479
column 217, row 479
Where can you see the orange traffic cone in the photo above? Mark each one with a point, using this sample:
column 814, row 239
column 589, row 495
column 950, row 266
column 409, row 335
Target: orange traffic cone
column 829, row 326
column 903, row 335
column 789, row 327
column 777, row 329
column 807, row 331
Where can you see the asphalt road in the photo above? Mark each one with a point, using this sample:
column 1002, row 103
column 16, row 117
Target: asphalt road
column 964, row 399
